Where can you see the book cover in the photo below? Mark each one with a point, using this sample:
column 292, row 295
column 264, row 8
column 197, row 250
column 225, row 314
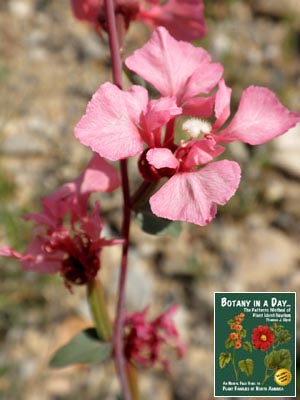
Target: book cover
column 255, row 344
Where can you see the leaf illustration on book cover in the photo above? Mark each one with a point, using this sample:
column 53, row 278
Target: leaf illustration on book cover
column 247, row 346
column 281, row 335
column 246, row 366
column 278, row 359
column 229, row 343
column 224, row 359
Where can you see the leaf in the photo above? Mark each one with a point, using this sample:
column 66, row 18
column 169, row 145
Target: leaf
column 154, row 225
column 85, row 347
column 282, row 336
column 276, row 327
column 246, row 366
column 243, row 333
column 224, row 359
column 247, row 346
column 229, row 343
column 278, row 359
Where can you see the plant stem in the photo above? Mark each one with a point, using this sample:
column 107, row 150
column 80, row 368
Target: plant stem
column 118, row 327
column 234, row 366
column 95, row 295
column 133, row 381
column 114, row 43
column 266, row 377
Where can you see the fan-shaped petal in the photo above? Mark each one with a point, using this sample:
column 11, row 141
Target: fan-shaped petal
column 193, row 196
column 260, row 117
column 167, row 63
column 109, row 126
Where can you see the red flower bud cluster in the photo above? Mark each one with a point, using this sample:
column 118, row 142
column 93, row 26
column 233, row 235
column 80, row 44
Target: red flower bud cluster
column 237, row 327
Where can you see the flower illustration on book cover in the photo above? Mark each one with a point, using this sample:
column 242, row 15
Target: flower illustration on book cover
column 278, row 362
column 233, row 343
column 267, row 340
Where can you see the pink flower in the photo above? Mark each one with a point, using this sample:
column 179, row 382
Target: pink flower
column 144, row 341
column 184, row 19
column 71, row 250
column 120, row 124
column 195, row 192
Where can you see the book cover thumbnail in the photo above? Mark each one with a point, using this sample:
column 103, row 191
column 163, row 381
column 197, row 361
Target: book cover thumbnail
column 255, row 344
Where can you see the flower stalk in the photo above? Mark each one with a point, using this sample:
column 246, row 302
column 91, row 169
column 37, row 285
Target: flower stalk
column 96, row 300
column 127, row 389
column 133, row 381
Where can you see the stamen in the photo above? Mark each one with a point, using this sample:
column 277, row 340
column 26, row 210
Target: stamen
column 195, row 126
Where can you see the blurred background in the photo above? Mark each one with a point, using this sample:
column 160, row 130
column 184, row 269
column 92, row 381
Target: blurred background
column 50, row 65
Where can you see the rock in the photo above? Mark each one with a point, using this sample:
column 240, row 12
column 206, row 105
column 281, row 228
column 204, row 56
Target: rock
column 27, row 136
column 287, row 152
column 20, row 8
column 282, row 9
column 264, row 258
column 139, row 284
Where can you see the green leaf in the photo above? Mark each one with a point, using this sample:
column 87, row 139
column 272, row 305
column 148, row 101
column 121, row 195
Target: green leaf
column 154, row 225
column 229, row 343
column 278, row 359
column 276, row 327
column 243, row 333
column 224, row 359
column 85, row 347
column 246, row 366
column 282, row 336
column 247, row 346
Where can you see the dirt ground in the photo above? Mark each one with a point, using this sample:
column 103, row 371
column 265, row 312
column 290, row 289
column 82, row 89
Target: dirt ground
column 50, row 65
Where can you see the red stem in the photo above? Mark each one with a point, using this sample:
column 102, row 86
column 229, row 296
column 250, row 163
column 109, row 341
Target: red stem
column 118, row 327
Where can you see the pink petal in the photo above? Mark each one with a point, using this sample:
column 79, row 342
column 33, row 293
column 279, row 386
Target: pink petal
column 163, row 63
column 36, row 259
column 45, row 218
column 6, row 251
column 99, row 176
column 158, row 113
column 222, row 105
column 92, row 224
column 260, row 117
column 199, row 107
column 183, row 18
column 203, row 80
column 202, row 152
column 58, row 203
column 162, row 158
column 72, row 197
column 192, row 196
column 87, row 10
column 109, row 126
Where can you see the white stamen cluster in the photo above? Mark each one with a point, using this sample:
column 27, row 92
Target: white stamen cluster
column 195, row 126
